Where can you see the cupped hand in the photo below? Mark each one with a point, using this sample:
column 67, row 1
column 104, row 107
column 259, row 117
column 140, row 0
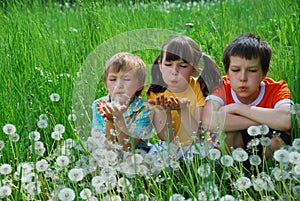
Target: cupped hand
column 110, row 110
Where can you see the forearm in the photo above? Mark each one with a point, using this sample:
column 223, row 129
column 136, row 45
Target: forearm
column 189, row 122
column 278, row 119
column 163, row 124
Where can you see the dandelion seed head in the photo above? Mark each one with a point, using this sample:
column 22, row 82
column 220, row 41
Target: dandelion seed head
column 227, row 160
column 228, row 198
column 9, row 129
column 66, row 194
column 142, row 197
column 204, row 170
column 34, row 135
column 43, row 117
column 33, row 188
column 243, row 183
column 59, row 128
column 265, row 141
column 14, row 137
column 55, row 97
column 76, row 174
column 55, row 135
column 5, row 191
column 42, row 123
column 255, row 160
column 239, row 155
column 294, row 157
column 296, row 144
column 253, row 130
column 282, row 156
column 42, row 165
column 62, row 161
column 85, row 194
column 177, row 197
column 264, row 129
column 5, row 169
column 296, row 191
column 214, row 154
column 297, row 170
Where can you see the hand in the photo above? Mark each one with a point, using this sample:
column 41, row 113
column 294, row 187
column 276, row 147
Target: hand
column 110, row 110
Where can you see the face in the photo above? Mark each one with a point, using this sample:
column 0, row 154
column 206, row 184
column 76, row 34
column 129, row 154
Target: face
column 122, row 86
column 176, row 74
column 245, row 77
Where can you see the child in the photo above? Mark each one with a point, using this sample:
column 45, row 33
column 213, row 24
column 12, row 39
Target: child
column 248, row 97
column 122, row 115
column 178, row 95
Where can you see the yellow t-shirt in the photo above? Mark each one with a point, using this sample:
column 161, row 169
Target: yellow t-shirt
column 197, row 99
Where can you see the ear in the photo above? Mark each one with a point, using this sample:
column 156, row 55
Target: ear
column 195, row 70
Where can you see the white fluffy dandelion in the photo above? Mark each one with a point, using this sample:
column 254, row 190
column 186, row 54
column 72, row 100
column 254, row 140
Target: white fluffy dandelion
column 228, row 198
column 55, row 97
column 5, row 191
column 297, row 170
column 240, row 155
column 59, row 128
column 66, row 194
column 72, row 117
column 214, row 154
column 255, row 160
column 177, row 197
column 296, row 143
column 9, row 129
column 55, row 135
column 62, row 161
column 265, row 141
column 42, row 165
column 5, row 169
column 243, row 183
column 85, row 194
column 264, row 129
column 282, row 156
column 14, row 137
column 33, row 188
column 295, row 157
column 42, row 123
column 227, row 160
column 296, row 191
column 142, row 197
column 76, row 174
column 34, row 135
column 204, row 170
column 253, row 130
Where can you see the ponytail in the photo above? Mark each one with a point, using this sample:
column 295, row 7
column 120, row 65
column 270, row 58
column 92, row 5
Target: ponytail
column 157, row 85
column 210, row 77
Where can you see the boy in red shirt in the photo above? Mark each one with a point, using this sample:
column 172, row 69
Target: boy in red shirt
column 249, row 98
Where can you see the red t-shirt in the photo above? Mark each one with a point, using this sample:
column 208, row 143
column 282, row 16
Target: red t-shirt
column 271, row 95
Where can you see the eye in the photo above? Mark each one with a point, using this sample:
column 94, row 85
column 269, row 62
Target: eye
column 235, row 70
column 253, row 70
column 183, row 66
column 112, row 79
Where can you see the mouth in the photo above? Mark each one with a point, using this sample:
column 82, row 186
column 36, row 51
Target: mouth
column 243, row 88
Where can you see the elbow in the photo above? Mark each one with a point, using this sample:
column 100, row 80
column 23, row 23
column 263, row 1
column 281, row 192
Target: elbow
column 208, row 124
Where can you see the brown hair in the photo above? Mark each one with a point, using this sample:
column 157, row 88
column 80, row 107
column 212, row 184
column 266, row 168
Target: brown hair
column 126, row 61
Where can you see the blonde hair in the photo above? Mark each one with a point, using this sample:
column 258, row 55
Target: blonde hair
column 125, row 61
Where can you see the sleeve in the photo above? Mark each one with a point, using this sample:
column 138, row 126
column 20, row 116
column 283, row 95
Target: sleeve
column 220, row 93
column 282, row 94
column 98, row 123
column 142, row 126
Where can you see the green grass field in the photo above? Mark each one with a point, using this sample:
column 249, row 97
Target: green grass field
column 49, row 48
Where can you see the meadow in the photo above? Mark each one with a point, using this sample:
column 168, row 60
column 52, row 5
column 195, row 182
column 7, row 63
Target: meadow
column 52, row 57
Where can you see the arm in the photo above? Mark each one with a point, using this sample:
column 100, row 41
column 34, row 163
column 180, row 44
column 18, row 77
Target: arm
column 216, row 117
column 277, row 119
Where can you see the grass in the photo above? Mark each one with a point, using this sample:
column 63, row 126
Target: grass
column 49, row 48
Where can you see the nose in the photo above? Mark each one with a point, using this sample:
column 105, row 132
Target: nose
column 119, row 84
column 243, row 76
column 175, row 69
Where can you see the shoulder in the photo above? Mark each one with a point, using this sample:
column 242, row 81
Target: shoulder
column 272, row 84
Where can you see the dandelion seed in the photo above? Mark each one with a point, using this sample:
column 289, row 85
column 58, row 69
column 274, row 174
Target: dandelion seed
column 33, row 188
column 34, row 135
column 42, row 123
column 42, row 165
column 112, row 198
column 239, row 155
column 296, row 143
column 136, row 159
column 255, row 160
column 15, row 137
column 72, row 117
column 2, row 145
column 59, row 128
column 253, row 130
column 204, row 170
column 243, row 183
column 297, row 170
column 258, row 184
column 5, row 191
column 43, row 117
column 177, row 197
column 214, row 154
column 108, row 171
column 227, row 160
column 264, row 129
column 54, row 97
column 265, row 141
column 9, row 129
column 282, row 156
column 55, row 135
column 228, row 198
column 75, row 174
column 98, row 180
column 62, row 161
column 295, row 157
column 101, row 188
column 85, row 194
column 296, row 191
column 66, row 194
column 142, row 197
column 5, row 169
